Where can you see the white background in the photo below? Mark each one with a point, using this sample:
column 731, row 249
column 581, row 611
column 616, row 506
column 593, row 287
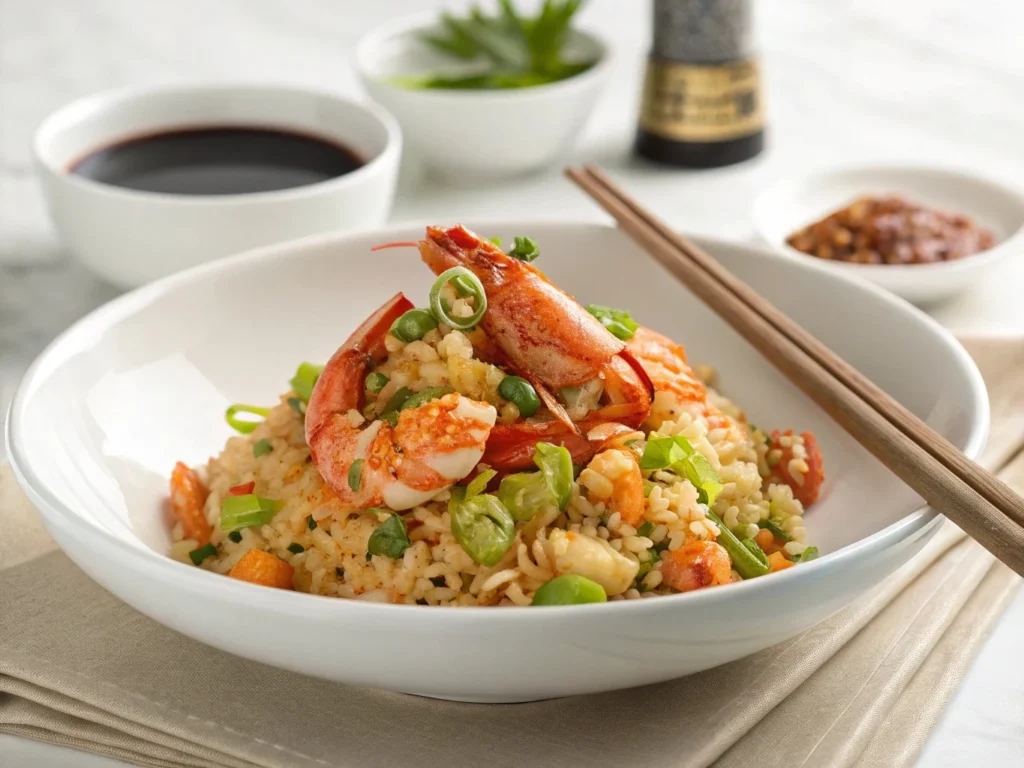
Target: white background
column 938, row 82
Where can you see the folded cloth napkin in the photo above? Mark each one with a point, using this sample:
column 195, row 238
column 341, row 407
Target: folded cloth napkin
column 863, row 688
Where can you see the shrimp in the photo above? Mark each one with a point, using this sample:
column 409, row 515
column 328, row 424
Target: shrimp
column 549, row 339
column 796, row 461
column 430, row 448
column 188, row 498
column 695, row 565
column 676, row 387
column 613, row 476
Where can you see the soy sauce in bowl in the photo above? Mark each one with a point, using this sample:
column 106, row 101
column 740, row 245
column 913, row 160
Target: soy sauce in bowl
column 219, row 160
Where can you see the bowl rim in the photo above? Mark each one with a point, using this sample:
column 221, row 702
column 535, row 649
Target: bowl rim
column 162, row 568
column 68, row 116
column 884, row 273
column 404, row 26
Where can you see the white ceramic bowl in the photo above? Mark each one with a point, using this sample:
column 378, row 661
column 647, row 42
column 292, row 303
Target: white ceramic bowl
column 469, row 135
column 108, row 408
column 795, row 202
column 130, row 237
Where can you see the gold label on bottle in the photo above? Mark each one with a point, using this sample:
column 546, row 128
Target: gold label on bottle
column 702, row 103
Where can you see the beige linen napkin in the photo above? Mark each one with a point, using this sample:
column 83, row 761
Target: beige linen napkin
column 81, row 669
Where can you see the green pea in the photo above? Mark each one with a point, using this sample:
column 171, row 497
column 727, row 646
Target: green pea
column 413, row 325
column 570, row 590
column 375, row 382
column 481, row 525
column 522, row 393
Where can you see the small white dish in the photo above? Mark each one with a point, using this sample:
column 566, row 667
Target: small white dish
column 130, row 237
column 103, row 414
column 470, row 135
column 795, row 202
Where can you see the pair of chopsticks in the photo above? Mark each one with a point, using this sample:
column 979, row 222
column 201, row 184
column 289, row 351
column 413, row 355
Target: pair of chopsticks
column 982, row 505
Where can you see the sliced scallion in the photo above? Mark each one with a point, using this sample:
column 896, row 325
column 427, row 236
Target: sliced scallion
column 235, row 536
column 296, row 549
column 305, row 379
column 466, row 280
column 261, row 448
column 198, row 555
column 310, row 522
column 246, row 511
column 355, row 475
column 245, row 426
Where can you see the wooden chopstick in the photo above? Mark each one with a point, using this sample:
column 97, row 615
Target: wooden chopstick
column 984, row 507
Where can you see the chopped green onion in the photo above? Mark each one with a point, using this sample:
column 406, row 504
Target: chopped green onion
column 478, row 293
column 811, row 553
column 339, row 572
column 425, row 396
column 521, row 392
column 297, row 405
column 744, row 560
column 375, row 382
column 355, row 474
column 413, row 325
column 296, row 548
column 368, row 555
column 305, row 379
column 495, row 240
column 310, row 522
column 646, row 529
column 479, row 483
column 618, row 322
column 775, row 528
column 235, row 536
column 246, row 511
column 245, row 426
column 394, row 403
column 198, row 555
column 481, row 525
column 261, row 448
column 526, row 249
column 389, row 539
column 438, row 581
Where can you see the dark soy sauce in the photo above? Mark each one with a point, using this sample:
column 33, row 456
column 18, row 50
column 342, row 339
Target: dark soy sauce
column 217, row 161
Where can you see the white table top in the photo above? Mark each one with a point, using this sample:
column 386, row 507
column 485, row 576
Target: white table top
column 849, row 81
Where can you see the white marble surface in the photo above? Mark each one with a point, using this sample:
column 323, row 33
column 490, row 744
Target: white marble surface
column 849, row 81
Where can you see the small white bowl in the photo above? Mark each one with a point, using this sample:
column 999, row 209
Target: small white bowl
column 477, row 134
column 103, row 414
column 130, row 237
column 795, row 202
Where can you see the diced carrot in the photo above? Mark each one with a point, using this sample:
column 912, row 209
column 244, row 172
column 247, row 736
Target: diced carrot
column 260, row 567
column 766, row 541
column 243, row 489
column 779, row 562
column 806, row 489
column 188, row 497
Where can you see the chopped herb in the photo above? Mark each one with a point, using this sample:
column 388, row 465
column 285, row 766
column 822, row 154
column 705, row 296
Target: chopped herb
column 297, row 405
column 310, row 522
column 235, row 536
column 394, row 403
column 425, row 396
column 198, row 555
column 495, row 240
column 355, row 475
column 526, row 249
column 618, row 322
column 261, row 448
column 391, row 418
column 811, row 553
column 676, row 454
column 296, row 548
column 390, row 538
column 438, row 581
column 339, row 572
column 646, row 529
column 368, row 557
